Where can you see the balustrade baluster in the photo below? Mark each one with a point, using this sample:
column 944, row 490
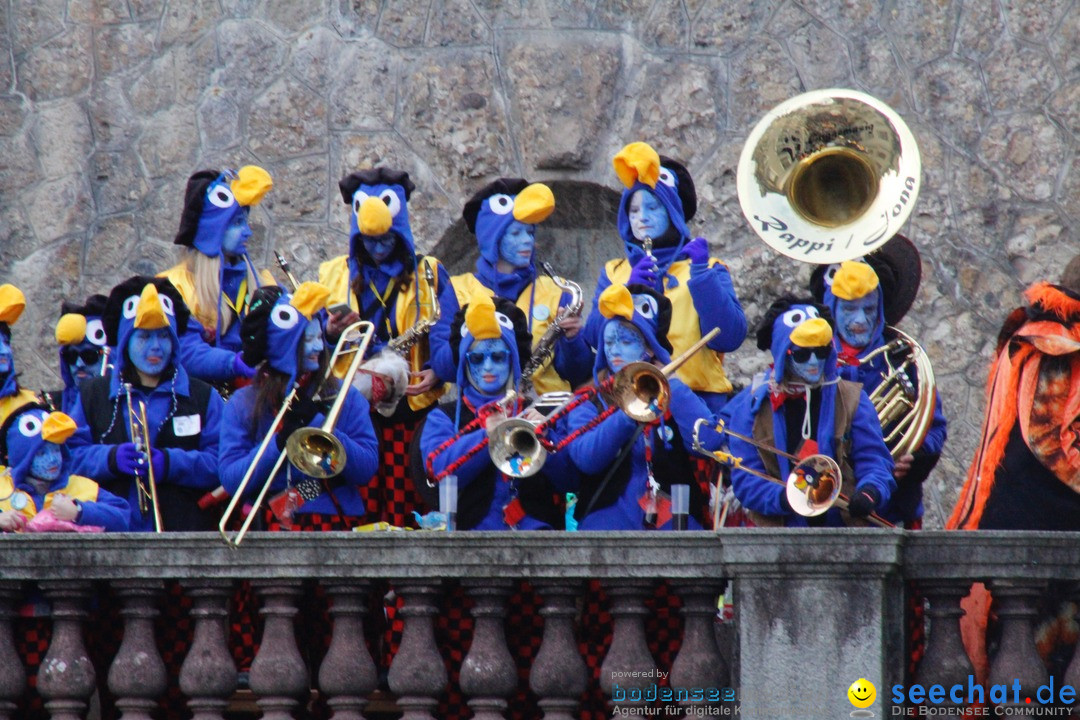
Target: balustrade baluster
column 13, row 678
column 488, row 673
column 208, row 674
column 1072, row 673
column 558, row 674
column 66, row 678
column 945, row 661
column 137, row 674
column 628, row 670
column 347, row 674
column 1017, row 658
column 699, row 663
column 417, row 674
column 278, row 676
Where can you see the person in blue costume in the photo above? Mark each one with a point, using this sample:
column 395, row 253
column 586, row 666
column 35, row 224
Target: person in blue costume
column 84, row 353
column 503, row 215
column 802, row 406
column 39, row 477
column 491, row 340
column 216, row 277
column 283, row 338
column 658, row 202
column 383, row 279
column 628, row 467
column 867, row 298
column 12, row 395
column 144, row 319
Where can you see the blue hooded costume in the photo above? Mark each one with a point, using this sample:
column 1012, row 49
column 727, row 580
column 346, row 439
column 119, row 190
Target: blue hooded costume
column 212, row 201
column 617, row 455
column 273, row 332
column 784, row 414
column 701, row 293
column 78, row 325
column 854, row 280
column 488, row 214
column 12, row 396
column 183, row 414
column 488, row 499
column 23, row 435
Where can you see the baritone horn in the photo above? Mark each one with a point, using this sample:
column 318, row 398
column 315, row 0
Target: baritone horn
column 828, row 176
column 905, row 410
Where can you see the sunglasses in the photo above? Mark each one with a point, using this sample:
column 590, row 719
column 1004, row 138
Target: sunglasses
column 475, row 358
column 89, row 356
column 802, row 354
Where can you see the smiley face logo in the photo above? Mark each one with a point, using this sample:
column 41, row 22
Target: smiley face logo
column 862, row 693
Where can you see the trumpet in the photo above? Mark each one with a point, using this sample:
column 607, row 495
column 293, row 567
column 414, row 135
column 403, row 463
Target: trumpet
column 313, row 451
column 139, row 432
column 812, row 486
column 105, row 365
column 284, row 265
column 640, row 389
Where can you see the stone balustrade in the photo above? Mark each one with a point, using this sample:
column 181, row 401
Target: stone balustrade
column 815, row 610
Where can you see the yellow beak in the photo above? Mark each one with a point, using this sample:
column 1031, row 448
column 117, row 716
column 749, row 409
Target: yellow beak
column 812, row 333
column 250, row 185
column 71, row 329
column 534, row 204
column 310, row 298
column 12, row 303
column 374, row 218
column 616, row 301
column 149, row 313
column 637, row 161
column 57, row 428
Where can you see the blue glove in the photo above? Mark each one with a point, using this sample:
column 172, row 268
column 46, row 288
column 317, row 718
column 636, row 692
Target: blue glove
column 697, row 250
column 126, row 458
column 863, row 501
column 644, row 272
column 241, row 369
column 157, row 460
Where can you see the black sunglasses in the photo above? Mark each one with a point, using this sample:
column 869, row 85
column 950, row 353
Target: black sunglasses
column 89, row 356
column 801, row 354
column 476, row 358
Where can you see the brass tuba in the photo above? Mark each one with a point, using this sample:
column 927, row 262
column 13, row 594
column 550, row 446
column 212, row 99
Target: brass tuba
column 829, row 175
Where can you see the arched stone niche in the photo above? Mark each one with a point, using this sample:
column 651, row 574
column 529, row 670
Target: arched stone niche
column 578, row 238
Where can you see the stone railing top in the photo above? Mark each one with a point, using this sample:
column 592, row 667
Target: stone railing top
column 416, row 555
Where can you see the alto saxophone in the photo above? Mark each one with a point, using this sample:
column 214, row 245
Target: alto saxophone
column 404, row 342
column 545, row 347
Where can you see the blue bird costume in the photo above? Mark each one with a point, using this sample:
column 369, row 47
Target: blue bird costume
column 78, row 324
column 273, row 332
column 702, row 294
column 781, row 413
column 12, row 395
column 183, row 414
column 22, row 435
column 488, row 214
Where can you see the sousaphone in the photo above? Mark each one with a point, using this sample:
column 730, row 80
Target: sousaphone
column 828, row 176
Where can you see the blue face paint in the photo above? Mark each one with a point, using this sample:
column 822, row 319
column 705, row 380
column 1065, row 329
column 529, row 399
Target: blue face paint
column 47, row 462
column 623, row 344
column 857, row 319
column 380, row 247
column 237, row 233
column 150, row 350
column 5, row 355
column 807, row 364
column 312, row 346
column 75, row 357
column 516, row 246
column 489, row 365
column 648, row 216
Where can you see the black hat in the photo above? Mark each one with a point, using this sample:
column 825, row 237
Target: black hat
column 194, row 195
column 374, row 176
column 110, row 317
column 93, row 307
column 763, row 332
column 899, row 270
column 505, row 186
column 253, row 326
column 687, row 192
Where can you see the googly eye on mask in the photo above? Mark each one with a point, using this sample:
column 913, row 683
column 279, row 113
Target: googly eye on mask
column 501, row 204
column 285, row 316
column 392, row 201
column 667, row 177
column 797, row 316
column 504, row 321
column 220, row 196
column 358, row 199
column 167, row 303
column 131, row 304
column 646, row 306
column 95, row 331
column 30, row 425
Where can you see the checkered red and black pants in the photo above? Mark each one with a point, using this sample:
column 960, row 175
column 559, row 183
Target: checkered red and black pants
column 391, row 495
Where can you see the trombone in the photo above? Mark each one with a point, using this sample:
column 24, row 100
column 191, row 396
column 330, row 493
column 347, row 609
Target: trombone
column 640, row 389
column 812, row 486
column 139, row 432
column 313, row 451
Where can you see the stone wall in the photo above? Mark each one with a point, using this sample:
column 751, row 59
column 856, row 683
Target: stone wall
column 108, row 105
